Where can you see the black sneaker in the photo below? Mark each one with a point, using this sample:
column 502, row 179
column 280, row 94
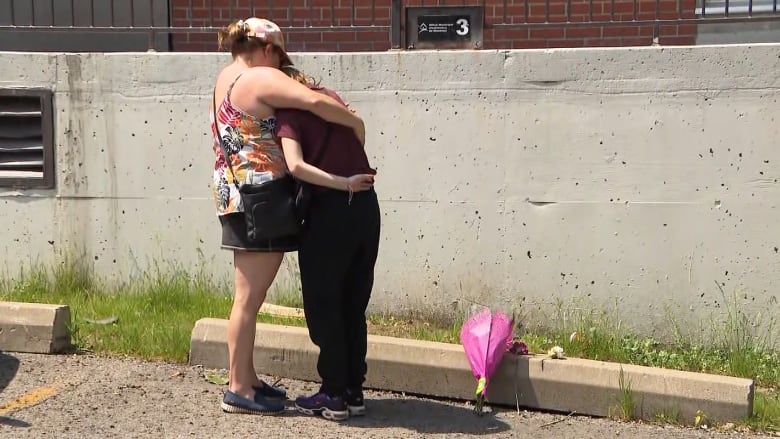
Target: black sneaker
column 234, row 403
column 266, row 390
column 355, row 403
column 333, row 408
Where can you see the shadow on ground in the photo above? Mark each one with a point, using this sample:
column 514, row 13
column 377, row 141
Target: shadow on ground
column 11, row 422
column 9, row 365
column 427, row 416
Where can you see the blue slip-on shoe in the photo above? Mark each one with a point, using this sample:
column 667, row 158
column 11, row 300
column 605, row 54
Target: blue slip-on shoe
column 268, row 391
column 355, row 403
column 333, row 408
column 233, row 403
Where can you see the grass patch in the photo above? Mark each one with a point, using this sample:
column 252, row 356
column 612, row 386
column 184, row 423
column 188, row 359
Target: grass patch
column 152, row 318
column 626, row 408
column 155, row 313
column 766, row 411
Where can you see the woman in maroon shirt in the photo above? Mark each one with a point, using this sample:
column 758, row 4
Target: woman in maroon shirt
column 337, row 251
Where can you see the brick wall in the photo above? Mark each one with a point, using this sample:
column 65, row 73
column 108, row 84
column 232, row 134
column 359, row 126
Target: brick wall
column 299, row 13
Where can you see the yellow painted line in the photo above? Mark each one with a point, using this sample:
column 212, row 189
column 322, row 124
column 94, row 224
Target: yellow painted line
column 29, row 399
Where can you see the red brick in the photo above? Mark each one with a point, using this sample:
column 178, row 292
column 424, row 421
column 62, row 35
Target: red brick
column 671, row 15
column 297, row 13
column 515, row 10
column 338, row 36
column 553, row 10
column 343, row 22
column 303, row 37
column 620, row 31
column 670, row 6
column 371, row 36
column 318, row 47
column 619, row 7
column 601, row 17
column 304, row 14
column 235, row 14
column 187, row 47
column 636, row 41
column 336, row 13
column 678, row 41
column 529, row 44
column 536, row 19
column 283, row 22
column 356, row 46
column 375, row 14
column 648, row 7
column 687, row 29
column 209, row 37
column 582, row 32
column 510, row 34
column 546, row 33
column 646, row 31
column 602, row 42
column 579, row 18
column 580, row 9
column 566, row 43
column 495, row 18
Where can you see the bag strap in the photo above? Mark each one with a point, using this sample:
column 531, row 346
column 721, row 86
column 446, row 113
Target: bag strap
column 225, row 153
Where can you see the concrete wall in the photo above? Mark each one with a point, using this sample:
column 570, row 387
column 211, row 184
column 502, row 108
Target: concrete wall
column 637, row 177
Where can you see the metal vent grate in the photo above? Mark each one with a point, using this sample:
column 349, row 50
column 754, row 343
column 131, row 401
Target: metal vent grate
column 26, row 138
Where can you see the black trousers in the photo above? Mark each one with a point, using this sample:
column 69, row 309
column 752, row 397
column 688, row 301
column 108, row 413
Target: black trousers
column 337, row 254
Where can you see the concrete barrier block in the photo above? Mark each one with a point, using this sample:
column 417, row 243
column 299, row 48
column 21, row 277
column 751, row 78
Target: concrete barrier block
column 595, row 388
column 34, row 327
column 441, row 370
column 281, row 311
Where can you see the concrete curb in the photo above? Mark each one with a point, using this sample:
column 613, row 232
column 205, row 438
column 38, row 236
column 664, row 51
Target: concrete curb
column 34, row 327
column 281, row 311
column 442, row 370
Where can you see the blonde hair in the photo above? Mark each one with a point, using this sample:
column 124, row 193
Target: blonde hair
column 234, row 38
column 299, row 76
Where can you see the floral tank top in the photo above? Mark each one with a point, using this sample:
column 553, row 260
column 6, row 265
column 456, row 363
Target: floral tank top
column 253, row 152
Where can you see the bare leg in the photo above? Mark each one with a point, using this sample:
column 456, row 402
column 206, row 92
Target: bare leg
column 254, row 274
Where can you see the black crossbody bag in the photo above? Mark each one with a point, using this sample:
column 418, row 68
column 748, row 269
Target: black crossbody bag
column 303, row 192
column 270, row 210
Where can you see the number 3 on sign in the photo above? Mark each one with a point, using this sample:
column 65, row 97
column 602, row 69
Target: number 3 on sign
column 463, row 27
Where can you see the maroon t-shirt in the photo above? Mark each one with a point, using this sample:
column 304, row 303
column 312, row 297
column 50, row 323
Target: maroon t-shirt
column 340, row 154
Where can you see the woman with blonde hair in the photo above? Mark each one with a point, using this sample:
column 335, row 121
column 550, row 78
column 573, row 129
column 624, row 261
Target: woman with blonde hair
column 337, row 250
column 247, row 93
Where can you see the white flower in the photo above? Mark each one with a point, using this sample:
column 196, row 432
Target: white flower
column 555, row 352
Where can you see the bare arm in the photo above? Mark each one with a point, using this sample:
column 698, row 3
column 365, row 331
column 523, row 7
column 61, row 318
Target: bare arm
column 280, row 91
column 314, row 175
